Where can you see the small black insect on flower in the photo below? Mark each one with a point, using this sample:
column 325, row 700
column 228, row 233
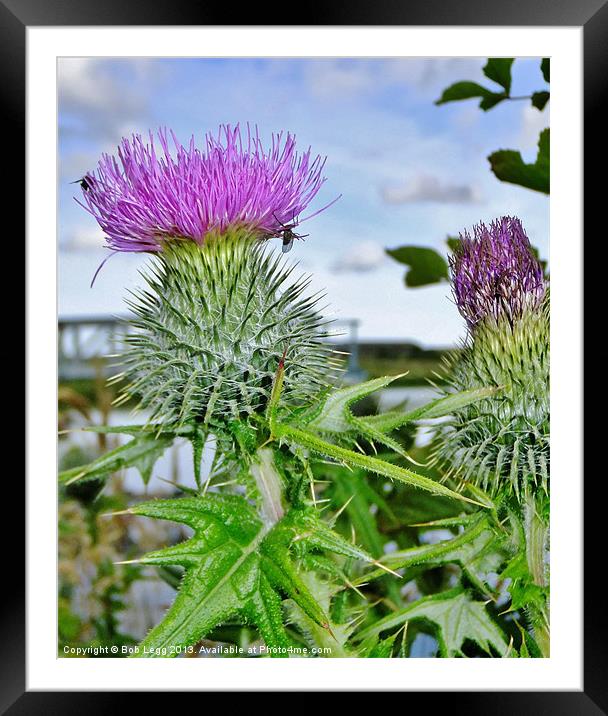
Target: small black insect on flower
column 85, row 183
column 287, row 233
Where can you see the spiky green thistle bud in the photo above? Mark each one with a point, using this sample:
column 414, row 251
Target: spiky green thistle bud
column 211, row 328
column 501, row 443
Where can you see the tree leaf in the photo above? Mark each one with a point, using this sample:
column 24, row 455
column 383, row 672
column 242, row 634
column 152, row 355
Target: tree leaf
column 453, row 243
column 540, row 99
column 235, row 566
column 458, row 618
column 509, row 166
column 491, row 101
column 427, row 266
column 469, row 90
column 498, row 69
column 545, row 66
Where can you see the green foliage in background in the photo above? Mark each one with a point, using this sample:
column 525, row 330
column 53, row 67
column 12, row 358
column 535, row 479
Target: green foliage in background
column 427, row 266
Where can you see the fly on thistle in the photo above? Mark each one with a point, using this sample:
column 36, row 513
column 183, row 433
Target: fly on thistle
column 84, row 182
column 287, row 234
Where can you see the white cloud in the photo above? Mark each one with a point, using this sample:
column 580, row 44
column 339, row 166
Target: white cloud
column 428, row 188
column 361, row 257
column 339, row 78
column 83, row 237
column 532, row 122
column 342, row 78
column 97, row 100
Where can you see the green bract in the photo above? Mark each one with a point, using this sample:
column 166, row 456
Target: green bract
column 502, row 443
column 211, row 328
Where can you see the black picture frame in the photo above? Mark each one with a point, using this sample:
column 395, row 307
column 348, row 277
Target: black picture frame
column 591, row 15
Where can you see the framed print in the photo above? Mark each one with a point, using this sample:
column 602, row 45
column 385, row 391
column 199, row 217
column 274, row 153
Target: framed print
column 290, row 297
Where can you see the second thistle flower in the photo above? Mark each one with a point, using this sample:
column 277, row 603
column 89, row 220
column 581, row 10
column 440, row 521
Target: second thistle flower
column 501, row 443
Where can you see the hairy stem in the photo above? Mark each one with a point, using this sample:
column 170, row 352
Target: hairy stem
column 270, row 486
column 537, row 536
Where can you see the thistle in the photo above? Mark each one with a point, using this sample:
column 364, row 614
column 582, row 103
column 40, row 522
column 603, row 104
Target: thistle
column 218, row 310
column 501, row 443
column 224, row 344
column 142, row 197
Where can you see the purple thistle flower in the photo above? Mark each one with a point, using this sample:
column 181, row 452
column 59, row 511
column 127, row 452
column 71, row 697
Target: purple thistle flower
column 140, row 198
column 495, row 273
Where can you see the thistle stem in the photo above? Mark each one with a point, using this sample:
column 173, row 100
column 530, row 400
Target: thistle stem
column 270, row 486
column 537, row 536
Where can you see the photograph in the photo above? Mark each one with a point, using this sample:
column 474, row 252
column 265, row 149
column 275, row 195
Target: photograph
column 303, row 364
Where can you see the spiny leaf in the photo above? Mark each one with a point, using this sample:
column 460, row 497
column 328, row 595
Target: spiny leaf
column 370, row 464
column 529, row 648
column 478, row 550
column 354, row 488
column 141, row 453
column 235, row 566
column 385, row 422
column 457, row 617
column 142, row 430
column 380, row 648
column 331, row 642
column 333, row 415
column 523, row 591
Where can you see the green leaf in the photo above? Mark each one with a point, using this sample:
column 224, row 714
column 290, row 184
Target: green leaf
column 478, row 550
column 352, row 489
column 333, row 414
column 235, row 566
column 545, row 66
column 391, row 420
column 426, row 265
column 509, row 166
column 365, row 462
column 332, row 640
column 453, row 243
column 148, row 429
column 468, row 90
column 458, row 618
column 142, row 452
column 498, row 69
column 381, row 648
column 523, row 591
column 198, row 443
column 529, row 649
column 540, row 99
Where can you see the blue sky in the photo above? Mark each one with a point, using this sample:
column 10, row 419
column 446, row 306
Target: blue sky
column 408, row 171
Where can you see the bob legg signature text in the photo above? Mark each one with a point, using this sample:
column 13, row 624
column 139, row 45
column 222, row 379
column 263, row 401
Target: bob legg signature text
column 218, row 650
